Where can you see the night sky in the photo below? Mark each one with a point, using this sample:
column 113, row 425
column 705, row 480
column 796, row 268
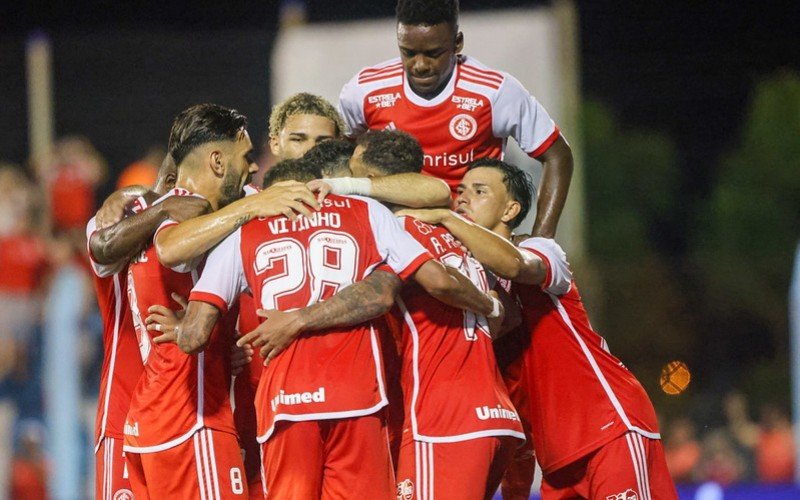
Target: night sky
column 685, row 68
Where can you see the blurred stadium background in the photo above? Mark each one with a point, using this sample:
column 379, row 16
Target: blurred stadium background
column 683, row 220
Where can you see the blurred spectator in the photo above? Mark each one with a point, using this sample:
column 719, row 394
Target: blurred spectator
column 775, row 448
column 70, row 176
column 682, row 450
column 142, row 172
column 720, row 462
column 28, row 470
column 741, row 429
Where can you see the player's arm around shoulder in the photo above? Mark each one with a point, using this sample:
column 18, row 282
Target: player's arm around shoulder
column 407, row 189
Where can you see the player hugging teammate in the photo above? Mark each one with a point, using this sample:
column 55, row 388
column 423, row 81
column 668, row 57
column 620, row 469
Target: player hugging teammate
column 383, row 336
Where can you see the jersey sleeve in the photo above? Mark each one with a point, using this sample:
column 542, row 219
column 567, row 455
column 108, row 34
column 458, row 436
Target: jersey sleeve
column 223, row 278
column 559, row 276
column 101, row 270
column 401, row 252
column 351, row 107
column 516, row 113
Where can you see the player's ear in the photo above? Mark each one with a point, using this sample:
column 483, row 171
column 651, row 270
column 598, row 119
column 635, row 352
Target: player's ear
column 512, row 210
column 216, row 162
column 459, row 42
column 274, row 146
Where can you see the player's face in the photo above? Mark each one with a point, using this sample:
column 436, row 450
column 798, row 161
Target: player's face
column 301, row 133
column 429, row 55
column 357, row 166
column 482, row 197
column 241, row 167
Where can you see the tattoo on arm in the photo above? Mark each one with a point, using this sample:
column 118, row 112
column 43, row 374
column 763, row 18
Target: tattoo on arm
column 355, row 304
column 194, row 331
column 241, row 221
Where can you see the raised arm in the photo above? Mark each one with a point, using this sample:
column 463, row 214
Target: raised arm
column 122, row 240
column 556, row 175
column 192, row 238
column 494, row 252
column 409, row 189
column 356, row 304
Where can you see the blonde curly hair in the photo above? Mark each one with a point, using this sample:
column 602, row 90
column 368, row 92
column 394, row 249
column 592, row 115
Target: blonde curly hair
column 303, row 103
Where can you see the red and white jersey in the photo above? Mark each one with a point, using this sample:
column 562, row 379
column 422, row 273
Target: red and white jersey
column 471, row 118
column 292, row 264
column 122, row 365
column 452, row 386
column 582, row 397
column 178, row 393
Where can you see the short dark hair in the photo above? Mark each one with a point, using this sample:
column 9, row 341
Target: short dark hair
column 392, row 151
column 518, row 184
column 427, row 12
column 297, row 169
column 332, row 157
column 202, row 124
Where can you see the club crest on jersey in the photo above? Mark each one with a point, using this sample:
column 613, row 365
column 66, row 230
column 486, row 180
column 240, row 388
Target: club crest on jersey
column 463, row 127
column 628, row 494
column 405, row 490
column 384, row 100
column 123, row 494
column 467, row 103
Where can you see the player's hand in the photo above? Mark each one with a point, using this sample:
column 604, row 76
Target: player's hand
column 519, row 238
column 165, row 320
column 113, row 209
column 431, row 216
column 287, row 198
column 275, row 334
column 320, row 187
column 181, row 208
column 240, row 357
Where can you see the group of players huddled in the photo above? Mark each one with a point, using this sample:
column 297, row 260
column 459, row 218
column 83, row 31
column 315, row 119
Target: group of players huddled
column 357, row 328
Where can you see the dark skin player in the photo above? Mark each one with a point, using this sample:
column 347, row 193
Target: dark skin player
column 429, row 55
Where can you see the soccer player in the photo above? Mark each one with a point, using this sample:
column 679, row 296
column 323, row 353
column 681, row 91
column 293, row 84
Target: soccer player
column 301, row 122
column 594, row 428
column 333, row 157
column 319, row 401
column 458, row 109
column 453, row 447
column 180, row 417
column 110, row 248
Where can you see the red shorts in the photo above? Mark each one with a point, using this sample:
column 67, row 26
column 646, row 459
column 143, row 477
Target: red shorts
column 340, row 458
column 206, row 466
column 469, row 469
column 111, row 474
column 630, row 466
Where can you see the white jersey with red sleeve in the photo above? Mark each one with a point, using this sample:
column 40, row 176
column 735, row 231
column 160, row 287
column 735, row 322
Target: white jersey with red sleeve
column 292, row 264
column 452, row 386
column 178, row 393
column 122, row 365
column 471, row 118
column 582, row 397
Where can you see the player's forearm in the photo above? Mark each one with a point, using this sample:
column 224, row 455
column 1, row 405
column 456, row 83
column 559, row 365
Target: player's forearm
column 557, row 167
column 496, row 253
column 194, row 237
column 411, row 190
column 122, row 240
column 448, row 285
column 194, row 331
column 357, row 303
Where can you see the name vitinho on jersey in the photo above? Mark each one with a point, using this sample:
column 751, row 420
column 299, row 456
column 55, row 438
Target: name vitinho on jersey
column 467, row 103
column 317, row 219
column 450, row 160
column 485, row 413
column 384, row 100
column 298, row 398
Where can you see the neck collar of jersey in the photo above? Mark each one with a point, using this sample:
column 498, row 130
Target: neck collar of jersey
column 445, row 94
